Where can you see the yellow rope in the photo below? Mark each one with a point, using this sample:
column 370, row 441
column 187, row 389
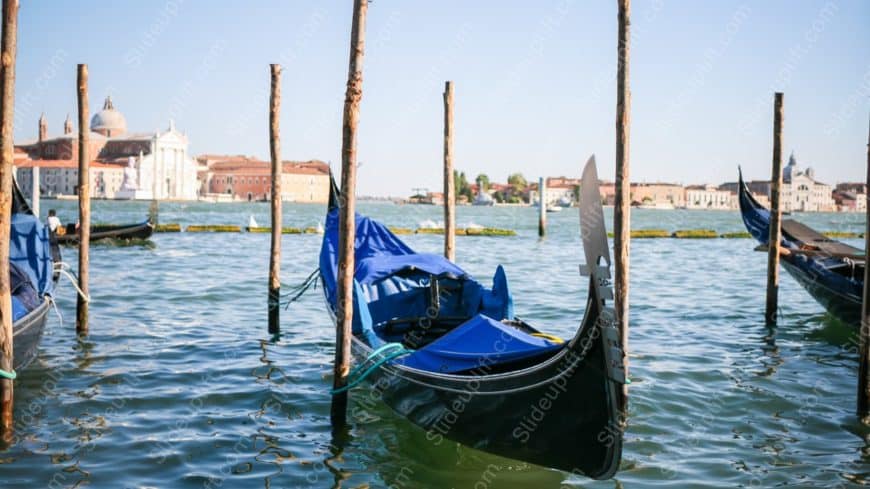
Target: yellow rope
column 553, row 338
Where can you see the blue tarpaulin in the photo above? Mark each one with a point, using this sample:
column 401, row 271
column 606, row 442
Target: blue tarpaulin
column 29, row 250
column 393, row 293
column 378, row 254
column 478, row 343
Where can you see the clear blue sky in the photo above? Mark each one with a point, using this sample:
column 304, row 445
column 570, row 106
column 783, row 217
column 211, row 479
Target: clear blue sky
column 535, row 82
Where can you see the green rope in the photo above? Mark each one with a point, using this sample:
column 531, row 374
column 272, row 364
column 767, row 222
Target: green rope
column 8, row 375
column 359, row 377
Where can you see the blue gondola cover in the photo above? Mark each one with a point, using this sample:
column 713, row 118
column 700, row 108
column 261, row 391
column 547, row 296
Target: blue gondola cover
column 480, row 342
column 29, row 250
column 392, row 282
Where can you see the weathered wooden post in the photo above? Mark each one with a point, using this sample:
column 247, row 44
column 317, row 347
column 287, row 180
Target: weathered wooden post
column 154, row 212
column 84, row 203
column 7, row 98
column 35, row 190
column 775, row 235
column 542, row 207
column 449, row 181
column 622, row 203
column 277, row 221
column 346, row 214
column 864, row 359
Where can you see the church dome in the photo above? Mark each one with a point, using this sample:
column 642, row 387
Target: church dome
column 109, row 122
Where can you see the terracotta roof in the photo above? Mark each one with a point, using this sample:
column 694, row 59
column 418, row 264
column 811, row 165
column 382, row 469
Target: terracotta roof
column 252, row 166
column 208, row 156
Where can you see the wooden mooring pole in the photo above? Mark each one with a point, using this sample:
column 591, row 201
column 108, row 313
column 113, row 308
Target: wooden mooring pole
column 622, row 201
column 84, row 203
column 449, row 180
column 35, row 193
column 542, row 207
column 864, row 359
column 346, row 215
column 775, row 235
column 7, row 98
column 277, row 221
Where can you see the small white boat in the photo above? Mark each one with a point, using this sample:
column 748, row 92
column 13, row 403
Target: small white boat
column 430, row 224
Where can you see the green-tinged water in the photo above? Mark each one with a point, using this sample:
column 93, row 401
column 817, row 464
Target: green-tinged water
column 179, row 384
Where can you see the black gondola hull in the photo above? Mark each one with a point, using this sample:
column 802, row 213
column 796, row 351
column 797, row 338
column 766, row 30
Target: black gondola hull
column 561, row 408
column 562, row 413
column 839, row 294
column 27, row 332
column 842, row 305
column 123, row 232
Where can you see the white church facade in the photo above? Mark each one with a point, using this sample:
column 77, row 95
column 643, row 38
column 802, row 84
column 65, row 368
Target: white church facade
column 801, row 192
column 140, row 166
column 164, row 171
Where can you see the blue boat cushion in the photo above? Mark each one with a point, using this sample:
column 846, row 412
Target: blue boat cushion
column 478, row 342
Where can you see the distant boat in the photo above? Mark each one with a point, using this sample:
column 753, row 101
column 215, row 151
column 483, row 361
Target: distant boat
column 565, row 201
column 252, row 223
column 143, row 230
column 431, row 338
column 550, row 207
column 483, row 199
column 831, row 271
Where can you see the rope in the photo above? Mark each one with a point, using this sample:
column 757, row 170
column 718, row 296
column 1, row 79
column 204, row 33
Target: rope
column 8, row 375
column 73, row 280
column 295, row 293
column 359, row 377
column 549, row 337
column 57, row 311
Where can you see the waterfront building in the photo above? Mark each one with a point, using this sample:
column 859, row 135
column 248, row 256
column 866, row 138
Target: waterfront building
column 660, row 195
column 61, row 177
column 151, row 164
column 561, row 190
column 802, row 192
column 558, row 190
column 850, row 197
column 709, row 197
column 249, row 179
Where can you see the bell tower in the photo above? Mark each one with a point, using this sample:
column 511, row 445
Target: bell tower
column 43, row 128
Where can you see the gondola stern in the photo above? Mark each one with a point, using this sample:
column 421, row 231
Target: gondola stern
column 334, row 193
column 754, row 215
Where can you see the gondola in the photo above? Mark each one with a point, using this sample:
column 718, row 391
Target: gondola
column 142, row 230
column 32, row 280
column 831, row 271
column 450, row 355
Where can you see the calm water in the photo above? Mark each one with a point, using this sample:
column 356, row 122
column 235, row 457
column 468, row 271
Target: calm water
column 179, row 385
